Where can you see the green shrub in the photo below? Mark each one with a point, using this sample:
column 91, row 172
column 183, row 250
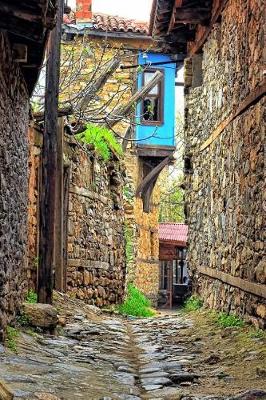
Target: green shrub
column 11, row 336
column 229, row 320
column 102, row 139
column 136, row 304
column 31, row 297
column 194, row 303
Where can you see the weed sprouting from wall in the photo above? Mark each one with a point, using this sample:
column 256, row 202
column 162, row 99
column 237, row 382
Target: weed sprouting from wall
column 31, row 297
column 102, row 139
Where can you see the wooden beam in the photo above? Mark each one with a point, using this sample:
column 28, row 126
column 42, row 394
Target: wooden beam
column 197, row 46
column 29, row 14
column 251, row 287
column 155, row 151
column 22, row 28
column 39, row 116
column 152, row 175
column 195, row 15
column 249, row 101
column 47, row 201
column 5, row 392
column 121, row 111
column 59, row 208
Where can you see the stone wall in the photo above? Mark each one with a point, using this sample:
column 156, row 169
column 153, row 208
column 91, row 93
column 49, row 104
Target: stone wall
column 141, row 229
column 225, row 164
column 34, row 162
column 96, row 250
column 13, row 184
column 143, row 268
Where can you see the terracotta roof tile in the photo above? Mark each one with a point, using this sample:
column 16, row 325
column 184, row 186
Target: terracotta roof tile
column 173, row 232
column 110, row 23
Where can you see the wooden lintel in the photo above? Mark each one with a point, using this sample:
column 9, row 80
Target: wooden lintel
column 251, row 287
column 249, row 101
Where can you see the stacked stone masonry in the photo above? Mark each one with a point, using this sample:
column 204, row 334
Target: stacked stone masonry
column 96, row 251
column 226, row 181
column 13, row 185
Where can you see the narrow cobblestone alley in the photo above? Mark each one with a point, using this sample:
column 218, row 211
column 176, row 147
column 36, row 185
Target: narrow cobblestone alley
column 100, row 356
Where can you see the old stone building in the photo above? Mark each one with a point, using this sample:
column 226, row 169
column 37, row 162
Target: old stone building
column 94, row 264
column 127, row 39
column 224, row 161
column 21, row 50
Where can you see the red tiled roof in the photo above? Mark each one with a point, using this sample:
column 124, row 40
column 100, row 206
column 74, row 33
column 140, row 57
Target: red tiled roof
column 110, row 23
column 173, row 232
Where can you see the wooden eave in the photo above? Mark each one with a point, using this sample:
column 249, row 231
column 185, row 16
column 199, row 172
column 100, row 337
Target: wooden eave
column 174, row 243
column 177, row 21
column 28, row 23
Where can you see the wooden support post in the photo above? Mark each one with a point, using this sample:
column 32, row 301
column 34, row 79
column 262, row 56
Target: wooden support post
column 47, row 200
column 59, row 234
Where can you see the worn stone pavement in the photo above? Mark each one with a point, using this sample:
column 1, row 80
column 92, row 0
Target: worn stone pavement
column 106, row 358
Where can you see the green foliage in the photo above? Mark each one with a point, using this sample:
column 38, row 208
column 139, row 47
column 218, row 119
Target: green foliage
column 11, row 338
column 229, row 320
column 128, row 232
column 172, row 202
column 31, row 297
column 194, row 303
column 23, row 319
column 136, row 304
column 102, row 139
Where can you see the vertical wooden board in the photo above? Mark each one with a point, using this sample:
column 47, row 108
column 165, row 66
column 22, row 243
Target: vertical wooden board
column 47, row 199
column 58, row 227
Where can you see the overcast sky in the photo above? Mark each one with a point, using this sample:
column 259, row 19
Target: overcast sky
column 135, row 9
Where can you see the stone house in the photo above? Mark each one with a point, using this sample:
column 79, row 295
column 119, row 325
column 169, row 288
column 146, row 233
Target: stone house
column 24, row 29
column 174, row 277
column 224, row 161
column 143, row 159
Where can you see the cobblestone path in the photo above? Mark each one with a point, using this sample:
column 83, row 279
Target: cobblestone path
column 107, row 358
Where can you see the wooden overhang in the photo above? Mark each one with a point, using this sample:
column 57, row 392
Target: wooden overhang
column 184, row 24
column 27, row 24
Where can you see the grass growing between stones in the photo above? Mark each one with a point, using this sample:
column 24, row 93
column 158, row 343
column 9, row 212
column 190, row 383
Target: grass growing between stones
column 229, row 320
column 11, row 338
column 194, row 303
column 136, row 304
